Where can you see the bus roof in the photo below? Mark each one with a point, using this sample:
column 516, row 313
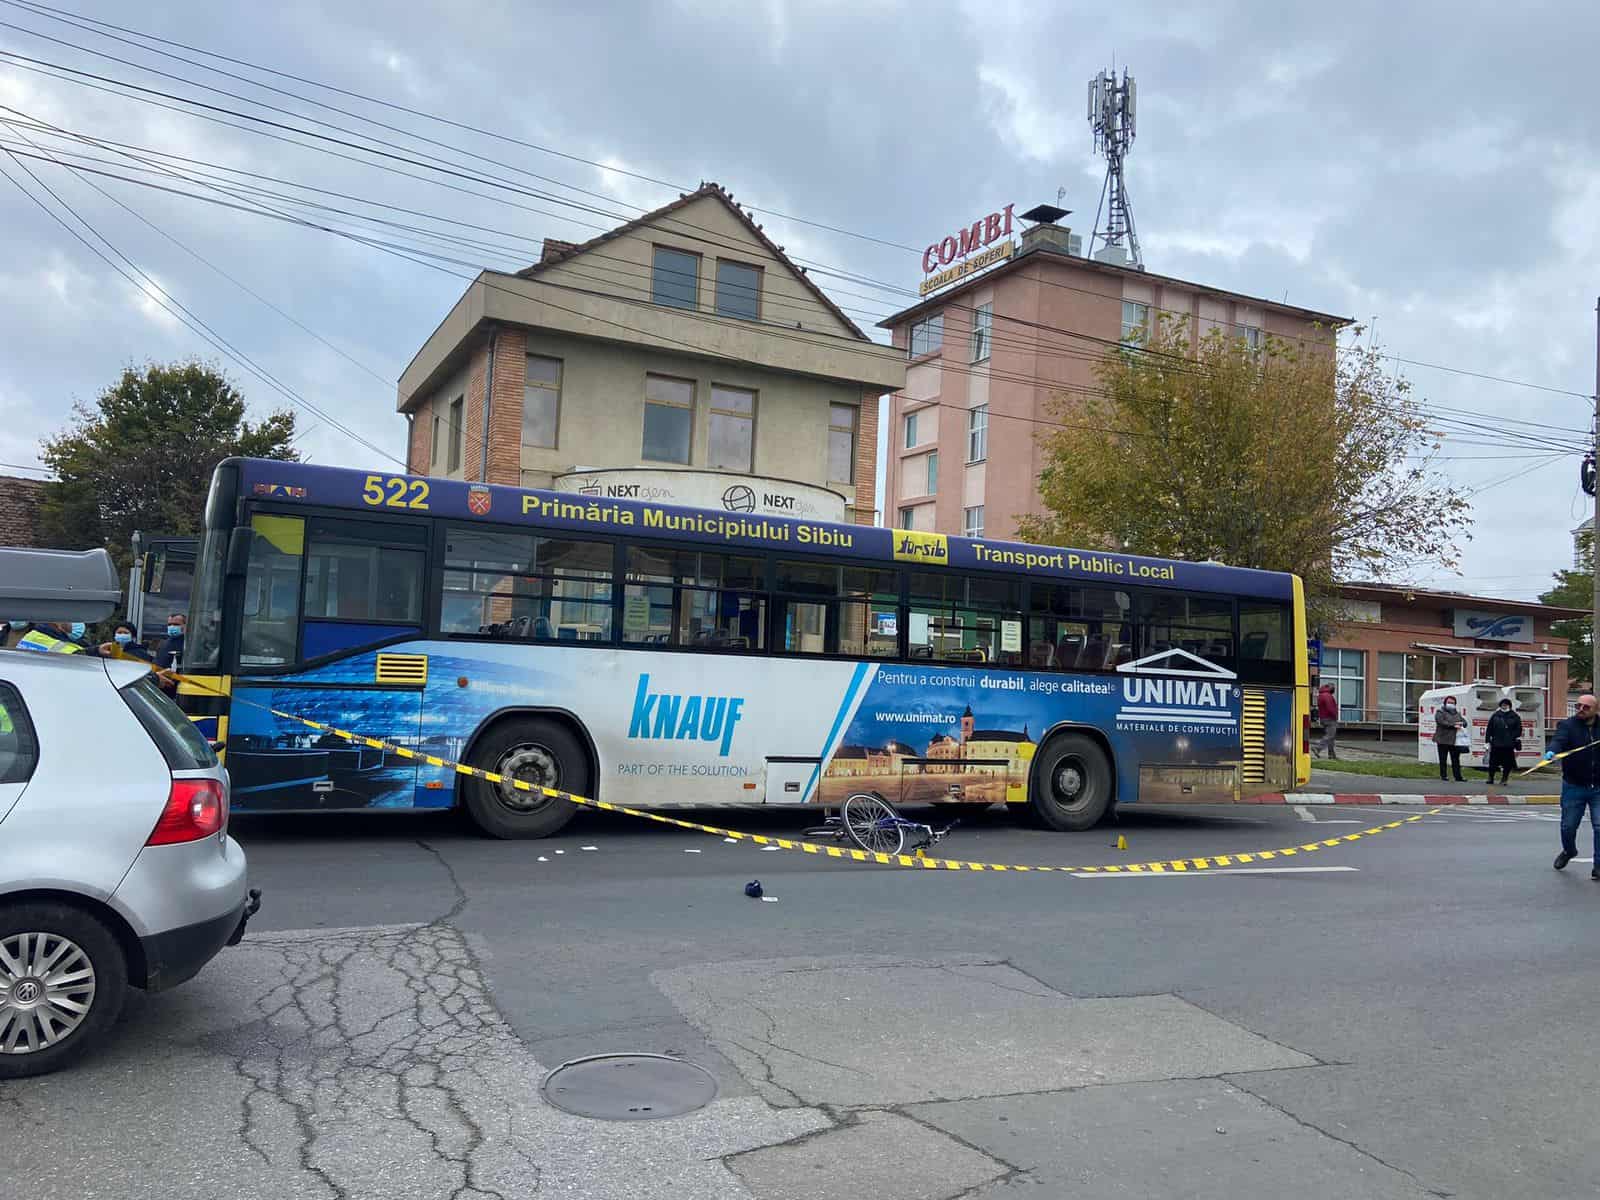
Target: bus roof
column 414, row 495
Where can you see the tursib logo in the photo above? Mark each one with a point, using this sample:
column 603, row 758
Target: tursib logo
column 671, row 716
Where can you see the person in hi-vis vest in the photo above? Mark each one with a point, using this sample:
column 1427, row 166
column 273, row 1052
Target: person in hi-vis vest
column 52, row 640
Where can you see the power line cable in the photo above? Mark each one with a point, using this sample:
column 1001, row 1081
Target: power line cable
column 56, row 14
column 156, row 293
column 559, row 183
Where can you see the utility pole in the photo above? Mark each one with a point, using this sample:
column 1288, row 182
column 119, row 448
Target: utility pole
column 1594, row 529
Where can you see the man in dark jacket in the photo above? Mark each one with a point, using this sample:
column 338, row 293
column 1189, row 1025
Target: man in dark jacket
column 1578, row 738
column 1505, row 739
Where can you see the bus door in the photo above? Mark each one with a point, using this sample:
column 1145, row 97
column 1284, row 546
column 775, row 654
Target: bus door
column 330, row 629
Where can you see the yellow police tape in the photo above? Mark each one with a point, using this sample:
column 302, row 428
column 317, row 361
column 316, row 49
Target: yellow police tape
column 1156, row 867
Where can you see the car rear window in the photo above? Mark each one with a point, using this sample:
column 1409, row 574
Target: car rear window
column 174, row 734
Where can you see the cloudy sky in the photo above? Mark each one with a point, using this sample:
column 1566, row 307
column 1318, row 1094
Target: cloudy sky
column 1429, row 168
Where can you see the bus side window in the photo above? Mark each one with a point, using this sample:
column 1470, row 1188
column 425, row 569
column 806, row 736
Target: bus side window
column 696, row 599
column 1198, row 625
column 976, row 620
column 272, row 591
column 1075, row 628
column 525, row 587
column 806, row 592
column 1265, row 651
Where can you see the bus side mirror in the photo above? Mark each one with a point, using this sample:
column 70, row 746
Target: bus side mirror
column 239, row 549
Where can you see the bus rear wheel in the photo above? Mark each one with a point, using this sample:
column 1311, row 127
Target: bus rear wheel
column 543, row 753
column 1072, row 784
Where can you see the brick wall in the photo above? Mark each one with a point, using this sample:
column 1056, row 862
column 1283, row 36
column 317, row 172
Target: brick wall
column 505, row 413
column 19, row 511
column 472, row 426
column 420, row 444
column 866, row 497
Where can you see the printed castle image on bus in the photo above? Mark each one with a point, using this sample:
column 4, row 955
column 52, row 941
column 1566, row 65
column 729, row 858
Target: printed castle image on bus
column 974, row 766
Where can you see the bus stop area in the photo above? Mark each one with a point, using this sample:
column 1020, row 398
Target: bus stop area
column 389, row 1025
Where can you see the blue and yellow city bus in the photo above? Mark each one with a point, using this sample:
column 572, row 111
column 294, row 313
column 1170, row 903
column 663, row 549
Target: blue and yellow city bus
column 658, row 656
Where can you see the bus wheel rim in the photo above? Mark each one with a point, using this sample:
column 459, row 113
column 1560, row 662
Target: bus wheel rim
column 531, row 763
column 1069, row 782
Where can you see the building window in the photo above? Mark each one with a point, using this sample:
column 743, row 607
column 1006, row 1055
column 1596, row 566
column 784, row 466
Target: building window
column 841, row 443
column 982, row 331
column 1525, row 673
column 978, row 434
column 674, row 280
column 437, row 447
column 668, row 418
column 911, row 430
column 1254, row 339
column 1402, row 678
column 908, row 518
column 972, row 521
column 738, row 290
column 1346, row 671
column 541, row 402
column 733, row 429
column 1135, row 322
column 927, row 336
column 458, row 417
column 933, row 472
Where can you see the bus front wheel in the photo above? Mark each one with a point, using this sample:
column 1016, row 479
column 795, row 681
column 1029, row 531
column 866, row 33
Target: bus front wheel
column 543, row 753
column 1072, row 783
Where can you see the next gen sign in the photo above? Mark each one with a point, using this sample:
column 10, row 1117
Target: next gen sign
column 977, row 239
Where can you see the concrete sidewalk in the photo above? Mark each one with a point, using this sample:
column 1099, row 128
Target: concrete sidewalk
column 1344, row 787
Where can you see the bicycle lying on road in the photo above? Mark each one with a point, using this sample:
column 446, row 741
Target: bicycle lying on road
column 871, row 823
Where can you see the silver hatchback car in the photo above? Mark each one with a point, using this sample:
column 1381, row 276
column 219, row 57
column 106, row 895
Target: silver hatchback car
column 116, row 868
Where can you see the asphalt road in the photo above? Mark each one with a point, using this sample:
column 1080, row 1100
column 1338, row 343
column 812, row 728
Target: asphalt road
column 1405, row 1015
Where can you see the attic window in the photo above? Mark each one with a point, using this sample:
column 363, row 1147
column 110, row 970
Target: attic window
column 738, row 290
column 674, row 280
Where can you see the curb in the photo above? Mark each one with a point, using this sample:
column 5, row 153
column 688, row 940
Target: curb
column 1371, row 798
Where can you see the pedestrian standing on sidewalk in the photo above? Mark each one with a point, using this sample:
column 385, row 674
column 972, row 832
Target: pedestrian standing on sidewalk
column 1579, row 739
column 1505, row 739
column 1328, row 714
column 1450, row 737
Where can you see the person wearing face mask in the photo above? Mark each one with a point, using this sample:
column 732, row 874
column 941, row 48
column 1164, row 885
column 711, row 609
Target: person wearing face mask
column 51, row 639
column 125, row 643
column 1450, row 737
column 169, row 655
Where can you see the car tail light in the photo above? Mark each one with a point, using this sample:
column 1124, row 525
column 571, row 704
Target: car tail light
column 196, row 808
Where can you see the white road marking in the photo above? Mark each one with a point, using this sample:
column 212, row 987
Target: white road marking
column 1214, row 871
column 1305, row 813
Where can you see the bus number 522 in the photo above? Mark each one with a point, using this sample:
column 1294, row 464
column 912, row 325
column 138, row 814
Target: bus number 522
column 389, row 492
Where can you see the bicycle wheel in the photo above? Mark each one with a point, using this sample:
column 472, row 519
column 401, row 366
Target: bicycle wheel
column 872, row 824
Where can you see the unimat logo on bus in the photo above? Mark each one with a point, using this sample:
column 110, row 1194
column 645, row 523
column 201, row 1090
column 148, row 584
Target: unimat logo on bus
column 1201, row 698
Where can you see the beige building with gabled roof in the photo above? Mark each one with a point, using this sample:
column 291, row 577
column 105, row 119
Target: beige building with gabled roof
column 679, row 349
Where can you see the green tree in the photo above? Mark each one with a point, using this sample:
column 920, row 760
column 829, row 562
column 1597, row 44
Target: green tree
column 1284, row 458
column 1575, row 589
column 141, row 456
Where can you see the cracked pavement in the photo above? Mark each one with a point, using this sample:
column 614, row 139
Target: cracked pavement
column 385, row 1028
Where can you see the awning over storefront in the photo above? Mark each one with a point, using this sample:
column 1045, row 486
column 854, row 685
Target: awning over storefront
column 1485, row 652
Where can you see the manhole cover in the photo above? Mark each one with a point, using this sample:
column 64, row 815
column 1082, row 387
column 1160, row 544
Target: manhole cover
column 629, row 1087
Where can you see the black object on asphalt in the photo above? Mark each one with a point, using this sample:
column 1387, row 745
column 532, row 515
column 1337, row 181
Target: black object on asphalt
column 753, row 889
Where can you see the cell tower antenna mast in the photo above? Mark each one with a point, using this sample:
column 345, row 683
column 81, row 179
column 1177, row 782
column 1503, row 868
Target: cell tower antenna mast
column 1112, row 107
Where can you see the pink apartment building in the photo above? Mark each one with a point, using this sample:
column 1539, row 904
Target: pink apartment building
column 987, row 354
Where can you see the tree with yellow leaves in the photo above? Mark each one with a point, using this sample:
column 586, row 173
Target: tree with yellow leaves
column 1287, row 457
